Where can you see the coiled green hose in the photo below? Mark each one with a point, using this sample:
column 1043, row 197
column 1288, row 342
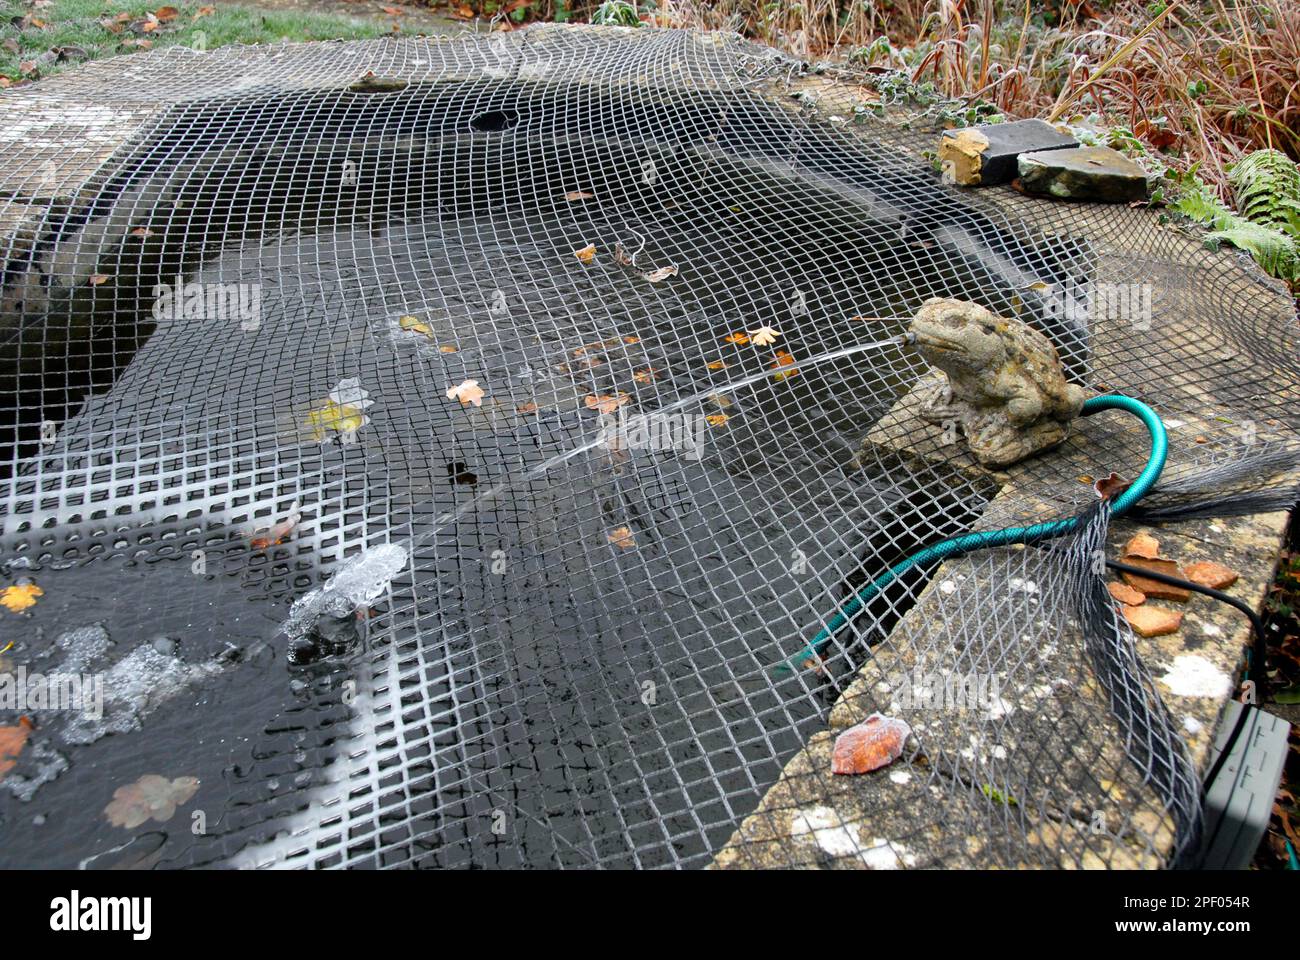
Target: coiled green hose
column 954, row 546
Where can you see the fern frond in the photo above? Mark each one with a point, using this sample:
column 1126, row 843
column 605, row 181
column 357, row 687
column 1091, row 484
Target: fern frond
column 1266, row 188
column 1273, row 250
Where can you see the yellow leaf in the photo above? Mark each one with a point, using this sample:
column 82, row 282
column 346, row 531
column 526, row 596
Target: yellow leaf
column 341, row 417
column 587, row 253
column 764, row 336
column 622, row 537
column 467, row 392
column 716, row 419
column 446, row 349
column 717, row 365
column 415, row 325
column 20, row 596
column 741, row 338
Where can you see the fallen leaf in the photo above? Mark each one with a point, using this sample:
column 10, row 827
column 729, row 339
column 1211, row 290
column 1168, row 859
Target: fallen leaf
column 393, row 11
column 149, row 26
column 586, row 254
column 622, row 537
column 647, row 375
column 606, row 404
column 97, row 278
column 631, row 339
column 764, row 336
column 622, row 257
column 204, row 12
column 1126, row 594
column 529, row 407
column 1210, row 574
column 166, row 13
column 150, row 798
column 142, row 232
column 463, row 12
column 446, row 348
column 1108, row 488
column 716, row 419
column 663, row 273
column 1142, row 545
column 20, row 596
column 575, row 195
column 277, row 533
column 783, row 359
column 467, row 392
column 1152, row 621
column 12, row 741
column 1153, row 588
column 874, row 743
column 741, row 338
column 415, row 325
column 716, row 365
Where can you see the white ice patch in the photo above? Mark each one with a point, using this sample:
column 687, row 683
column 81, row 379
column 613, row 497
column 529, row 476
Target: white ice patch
column 883, row 855
column 1192, row 725
column 356, row 583
column 1193, row 676
column 827, row 828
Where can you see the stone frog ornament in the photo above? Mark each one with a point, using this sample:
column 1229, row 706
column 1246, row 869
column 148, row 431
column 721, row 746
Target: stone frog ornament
column 1003, row 381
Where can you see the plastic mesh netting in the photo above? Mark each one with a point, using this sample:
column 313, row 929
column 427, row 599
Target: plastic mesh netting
column 229, row 341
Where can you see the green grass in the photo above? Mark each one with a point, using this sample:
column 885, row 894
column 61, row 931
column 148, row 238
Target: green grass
column 77, row 24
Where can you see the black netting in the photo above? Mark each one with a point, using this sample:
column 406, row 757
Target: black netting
column 227, row 355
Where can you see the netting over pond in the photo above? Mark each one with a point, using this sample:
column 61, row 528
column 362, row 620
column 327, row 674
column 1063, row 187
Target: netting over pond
column 242, row 355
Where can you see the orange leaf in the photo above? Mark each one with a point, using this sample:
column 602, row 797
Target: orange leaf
column 716, row 419
column 587, row 253
column 166, row 13
column 647, row 375
column 529, row 407
column 1143, row 545
column 606, row 404
column 622, row 537
column 716, row 365
column 97, row 278
column 741, row 338
column 467, row 392
column 12, row 741
column 874, row 743
column 573, row 195
column 784, row 359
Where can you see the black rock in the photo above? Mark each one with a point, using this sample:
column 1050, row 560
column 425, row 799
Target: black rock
column 987, row 154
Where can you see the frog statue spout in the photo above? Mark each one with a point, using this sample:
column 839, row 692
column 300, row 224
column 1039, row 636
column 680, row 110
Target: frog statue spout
column 1002, row 381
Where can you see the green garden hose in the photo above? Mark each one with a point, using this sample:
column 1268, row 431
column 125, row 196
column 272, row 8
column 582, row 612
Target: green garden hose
column 955, row 546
